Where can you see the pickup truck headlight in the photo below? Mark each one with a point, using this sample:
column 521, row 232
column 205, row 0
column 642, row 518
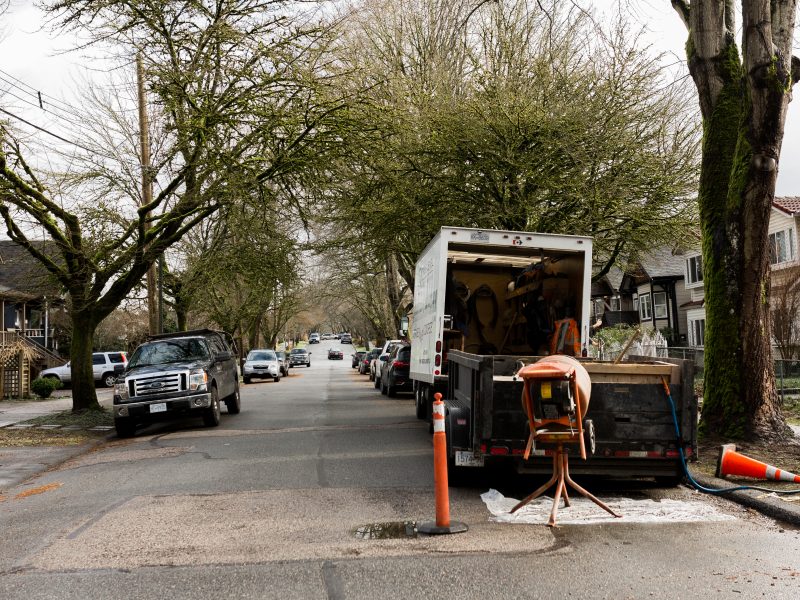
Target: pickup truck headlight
column 121, row 390
column 198, row 380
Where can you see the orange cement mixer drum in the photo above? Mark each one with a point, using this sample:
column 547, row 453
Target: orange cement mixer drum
column 559, row 366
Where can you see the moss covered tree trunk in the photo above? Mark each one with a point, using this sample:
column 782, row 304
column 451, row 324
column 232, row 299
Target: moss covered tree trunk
column 84, row 395
column 743, row 100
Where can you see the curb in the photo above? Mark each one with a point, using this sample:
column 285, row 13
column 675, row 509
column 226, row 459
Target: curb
column 763, row 502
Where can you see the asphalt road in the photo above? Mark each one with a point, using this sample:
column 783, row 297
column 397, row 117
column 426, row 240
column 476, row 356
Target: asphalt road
column 266, row 506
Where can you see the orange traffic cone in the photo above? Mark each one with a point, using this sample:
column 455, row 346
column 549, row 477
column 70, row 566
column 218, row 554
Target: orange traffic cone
column 731, row 462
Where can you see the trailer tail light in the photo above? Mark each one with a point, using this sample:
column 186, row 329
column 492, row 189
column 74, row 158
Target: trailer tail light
column 438, row 346
column 438, row 360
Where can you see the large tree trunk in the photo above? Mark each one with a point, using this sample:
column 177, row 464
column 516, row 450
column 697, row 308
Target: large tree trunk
column 743, row 104
column 84, row 395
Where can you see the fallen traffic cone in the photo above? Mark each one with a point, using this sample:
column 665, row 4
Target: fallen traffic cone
column 731, row 462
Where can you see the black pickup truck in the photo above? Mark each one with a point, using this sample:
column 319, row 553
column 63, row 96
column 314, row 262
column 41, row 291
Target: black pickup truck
column 175, row 375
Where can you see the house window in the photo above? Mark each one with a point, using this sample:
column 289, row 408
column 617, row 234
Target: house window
column 615, row 303
column 645, row 312
column 698, row 332
column 660, row 305
column 781, row 246
column 694, row 270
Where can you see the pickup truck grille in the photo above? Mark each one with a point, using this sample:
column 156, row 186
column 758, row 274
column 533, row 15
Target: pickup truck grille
column 157, row 384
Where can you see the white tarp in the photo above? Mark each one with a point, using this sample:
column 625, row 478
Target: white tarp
column 583, row 511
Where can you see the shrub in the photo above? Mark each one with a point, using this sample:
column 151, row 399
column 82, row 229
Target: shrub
column 44, row 386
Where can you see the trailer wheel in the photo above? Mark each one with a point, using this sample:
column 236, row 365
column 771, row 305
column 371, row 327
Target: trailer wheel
column 421, row 409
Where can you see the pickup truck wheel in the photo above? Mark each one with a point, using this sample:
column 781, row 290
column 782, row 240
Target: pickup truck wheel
column 391, row 391
column 384, row 389
column 211, row 415
column 377, row 383
column 276, row 379
column 125, row 427
column 234, row 402
column 109, row 379
column 246, row 379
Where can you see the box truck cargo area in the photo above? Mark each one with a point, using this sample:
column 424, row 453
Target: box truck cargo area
column 496, row 292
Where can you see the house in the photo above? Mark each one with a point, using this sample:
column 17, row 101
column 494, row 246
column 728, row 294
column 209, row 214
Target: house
column 651, row 291
column 784, row 224
column 28, row 296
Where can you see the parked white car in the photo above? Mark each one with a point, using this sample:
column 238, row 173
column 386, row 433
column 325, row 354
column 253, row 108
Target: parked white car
column 261, row 364
column 105, row 365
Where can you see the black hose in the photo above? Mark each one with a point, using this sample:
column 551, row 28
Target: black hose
column 698, row 486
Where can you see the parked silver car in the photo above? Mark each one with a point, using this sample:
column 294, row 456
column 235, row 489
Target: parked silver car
column 261, row 364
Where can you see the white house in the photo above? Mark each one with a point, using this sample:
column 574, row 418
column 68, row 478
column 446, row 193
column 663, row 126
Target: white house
column 784, row 225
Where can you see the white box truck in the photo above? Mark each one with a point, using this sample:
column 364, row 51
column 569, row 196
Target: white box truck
column 488, row 301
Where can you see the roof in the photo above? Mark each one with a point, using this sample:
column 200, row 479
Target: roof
column 22, row 277
column 663, row 262
column 788, row 204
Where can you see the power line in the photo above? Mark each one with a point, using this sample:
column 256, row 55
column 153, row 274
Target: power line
column 38, row 101
column 52, row 100
column 35, row 105
column 42, row 129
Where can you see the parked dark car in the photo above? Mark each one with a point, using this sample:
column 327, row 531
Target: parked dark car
column 174, row 375
column 395, row 371
column 335, row 354
column 363, row 367
column 358, row 356
column 300, row 356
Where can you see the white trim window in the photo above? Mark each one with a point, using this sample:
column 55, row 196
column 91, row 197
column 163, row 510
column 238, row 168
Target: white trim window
column 660, row 305
column 645, row 311
column 694, row 271
column 781, row 246
column 697, row 331
column 616, row 303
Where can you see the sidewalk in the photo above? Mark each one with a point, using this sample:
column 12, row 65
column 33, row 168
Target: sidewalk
column 17, row 464
column 13, row 412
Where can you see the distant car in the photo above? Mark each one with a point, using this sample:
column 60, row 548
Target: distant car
column 363, row 368
column 105, row 366
column 358, row 357
column 335, row 354
column 313, row 338
column 327, row 336
column 300, row 356
column 346, row 338
column 261, row 364
column 395, row 371
column 283, row 361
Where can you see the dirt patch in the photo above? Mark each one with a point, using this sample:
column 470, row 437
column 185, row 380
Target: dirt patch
column 785, row 456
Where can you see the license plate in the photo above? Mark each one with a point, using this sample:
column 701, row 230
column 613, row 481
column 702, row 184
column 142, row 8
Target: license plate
column 467, row 459
column 160, row 407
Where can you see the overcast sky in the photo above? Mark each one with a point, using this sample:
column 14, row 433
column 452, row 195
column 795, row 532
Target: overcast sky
column 31, row 55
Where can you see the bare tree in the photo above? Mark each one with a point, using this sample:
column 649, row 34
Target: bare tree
column 240, row 88
column 785, row 293
column 743, row 99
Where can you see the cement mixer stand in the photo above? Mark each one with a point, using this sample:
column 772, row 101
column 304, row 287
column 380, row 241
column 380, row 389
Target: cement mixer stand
column 555, row 397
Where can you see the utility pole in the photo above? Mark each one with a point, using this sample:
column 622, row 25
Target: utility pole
column 147, row 193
